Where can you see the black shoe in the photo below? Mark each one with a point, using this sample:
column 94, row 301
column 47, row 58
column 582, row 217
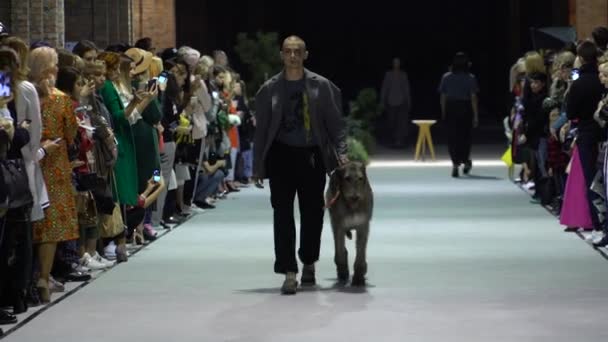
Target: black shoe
column 455, row 173
column 20, row 306
column 165, row 225
column 467, row 167
column 603, row 242
column 173, row 220
column 149, row 236
column 571, row 229
column 203, row 205
column 308, row 276
column 76, row 277
column 290, row 287
column 7, row 318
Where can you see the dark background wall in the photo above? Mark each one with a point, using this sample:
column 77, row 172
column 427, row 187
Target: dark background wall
column 353, row 43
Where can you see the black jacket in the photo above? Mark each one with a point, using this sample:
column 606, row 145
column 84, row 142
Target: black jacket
column 326, row 115
column 535, row 118
column 584, row 95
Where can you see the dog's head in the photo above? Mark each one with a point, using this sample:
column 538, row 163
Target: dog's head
column 351, row 181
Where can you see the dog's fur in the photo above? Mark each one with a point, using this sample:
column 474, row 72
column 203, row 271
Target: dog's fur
column 350, row 200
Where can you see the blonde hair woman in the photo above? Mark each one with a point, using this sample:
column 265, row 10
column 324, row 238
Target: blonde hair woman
column 59, row 124
column 27, row 105
column 534, row 63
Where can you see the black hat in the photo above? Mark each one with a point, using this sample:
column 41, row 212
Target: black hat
column 168, row 53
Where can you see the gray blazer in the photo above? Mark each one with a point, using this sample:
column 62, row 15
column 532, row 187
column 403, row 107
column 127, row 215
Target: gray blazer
column 326, row 116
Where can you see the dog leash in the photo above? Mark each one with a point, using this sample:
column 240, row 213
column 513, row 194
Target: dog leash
column 332, row 201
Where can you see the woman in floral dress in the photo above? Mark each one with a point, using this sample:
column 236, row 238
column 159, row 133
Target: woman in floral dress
column 58, row 122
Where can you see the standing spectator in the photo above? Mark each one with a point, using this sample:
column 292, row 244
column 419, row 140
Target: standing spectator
column 584, row 95
column 395, row 97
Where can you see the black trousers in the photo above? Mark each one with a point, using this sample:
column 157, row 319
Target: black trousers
column 16, row 253
column 292, row 171
column 460, row 125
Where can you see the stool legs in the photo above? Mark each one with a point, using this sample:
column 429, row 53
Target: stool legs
column 429, row 141
column 424, row 140
column 419, row 144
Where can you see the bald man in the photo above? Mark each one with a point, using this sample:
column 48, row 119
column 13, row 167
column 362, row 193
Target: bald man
column 300, row 137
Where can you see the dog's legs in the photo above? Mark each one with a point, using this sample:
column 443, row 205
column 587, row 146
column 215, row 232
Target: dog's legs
column 341, row 255
column 361, row 258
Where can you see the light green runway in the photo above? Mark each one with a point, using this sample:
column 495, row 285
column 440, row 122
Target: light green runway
column 449, row 260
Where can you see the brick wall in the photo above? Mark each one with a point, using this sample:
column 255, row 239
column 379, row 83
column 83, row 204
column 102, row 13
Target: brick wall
column 5, row 12
column 79, row 20
column 20, row 19
column 154, row 19
column 53, row 22
column 102, row 21
column 588, row 15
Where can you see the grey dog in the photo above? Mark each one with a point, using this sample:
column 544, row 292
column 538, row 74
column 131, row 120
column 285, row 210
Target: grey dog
column 350, row 201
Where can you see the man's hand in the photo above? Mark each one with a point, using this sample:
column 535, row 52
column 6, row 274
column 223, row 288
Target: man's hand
column 343, row 160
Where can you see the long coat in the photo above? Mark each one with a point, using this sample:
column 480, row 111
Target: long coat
column 125, row 168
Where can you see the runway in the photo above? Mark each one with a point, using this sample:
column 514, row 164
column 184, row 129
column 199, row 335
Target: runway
column 465, row 259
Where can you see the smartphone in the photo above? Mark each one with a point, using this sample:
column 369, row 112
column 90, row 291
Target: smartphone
column 575, row 74
column 5, row 84
column 151, row 84
column 163, row 77
column 156, row 176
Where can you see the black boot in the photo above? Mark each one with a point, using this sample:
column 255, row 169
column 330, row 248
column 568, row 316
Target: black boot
column 6, row 318
column 467, row 167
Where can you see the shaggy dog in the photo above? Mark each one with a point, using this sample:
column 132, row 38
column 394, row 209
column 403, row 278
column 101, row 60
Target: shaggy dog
column 350, row 201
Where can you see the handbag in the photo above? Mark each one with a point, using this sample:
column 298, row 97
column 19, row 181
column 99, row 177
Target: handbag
column 87, row 212
column 16, row 185
column 86, row 181
column 112, row 225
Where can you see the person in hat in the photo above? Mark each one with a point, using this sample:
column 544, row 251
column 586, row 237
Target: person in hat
column 123, row 114
column 145, row 134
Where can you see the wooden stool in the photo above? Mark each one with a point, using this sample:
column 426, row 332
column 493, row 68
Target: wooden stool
column 424, row 138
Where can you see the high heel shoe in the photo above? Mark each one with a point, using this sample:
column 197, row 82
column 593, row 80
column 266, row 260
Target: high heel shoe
column 43, row 290
column 138, row 237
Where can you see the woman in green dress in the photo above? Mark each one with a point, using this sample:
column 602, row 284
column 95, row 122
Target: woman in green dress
column 124, row 110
